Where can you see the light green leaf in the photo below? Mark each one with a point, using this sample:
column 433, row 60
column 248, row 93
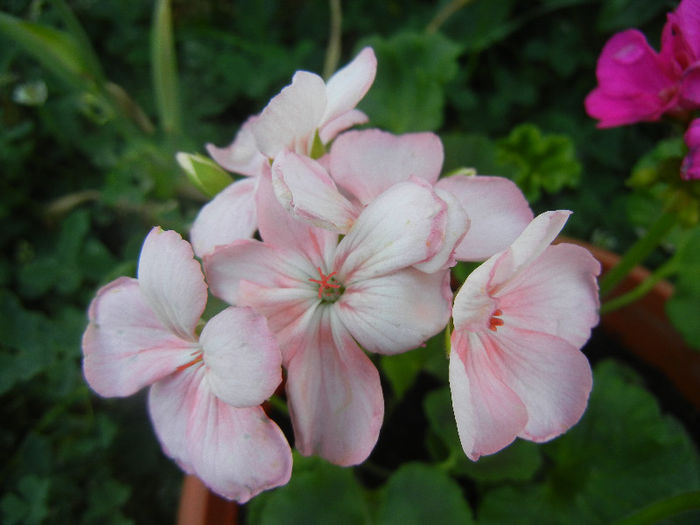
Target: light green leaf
column 204, row 173
column 164, row 68
column 56, row 50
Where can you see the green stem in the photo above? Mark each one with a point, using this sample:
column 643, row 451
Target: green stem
column 642, row 289
column 638, row 252
column 446, row 12
column 333, row 49
column 663, row 509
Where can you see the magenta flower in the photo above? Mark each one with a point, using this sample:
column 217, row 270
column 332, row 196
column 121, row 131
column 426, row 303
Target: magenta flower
column 205, row 390
column 382, row 288
column 635, row 83
column 290, row 121
column 364, row 164
column 520, row 319
column 690, row 169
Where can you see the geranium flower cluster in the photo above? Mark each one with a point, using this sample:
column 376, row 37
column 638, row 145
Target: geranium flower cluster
column 636, row 84
column 357, row 234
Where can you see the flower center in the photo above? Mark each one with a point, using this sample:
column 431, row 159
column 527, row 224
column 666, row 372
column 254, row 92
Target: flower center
column 496, row 320
column 197, row 357
column 329, row 288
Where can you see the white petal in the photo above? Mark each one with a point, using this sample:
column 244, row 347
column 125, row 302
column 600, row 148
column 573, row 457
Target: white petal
column 230, row 216
column 348, row 85
column 396, row 312
column 171, row 280
column 242, row 358
column 125, row 346
column 291, row 118
column 306, row 191
column 242, row 155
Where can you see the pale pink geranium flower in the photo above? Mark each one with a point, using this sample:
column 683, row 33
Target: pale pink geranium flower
column 383, row 288
column 290, row 121
column 206, row 390
column 363, row 164
column 635, row 83
column 520, row 319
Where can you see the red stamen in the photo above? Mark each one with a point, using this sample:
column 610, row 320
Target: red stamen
column 323, row 283
column 495, row 320
column 198, row 359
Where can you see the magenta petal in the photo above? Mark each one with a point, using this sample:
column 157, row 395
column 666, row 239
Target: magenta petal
column 125, row 346
column 396, row 312
column 690, row 86
column 242, row 357
column 633, row 82
column 306, row 191
column 488, row 412
column 687, row 18
column 690, row 170
column 334, row 392
column 230, row 216
column 498, row 213
column 172, row 283
column 368, row 162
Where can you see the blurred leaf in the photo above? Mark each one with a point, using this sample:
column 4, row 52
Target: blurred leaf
column 481, row 23
column 29, row 505
column 683, row 308
column 473, row 151
column 542, row 162
column 56, row 50
column 518, row 462
column 164, row 68
column 401, row 370
column 412, row 71
column 417, row 494
column 617, row 15
column 622, row 454
column 105, row 501
column 318, row 493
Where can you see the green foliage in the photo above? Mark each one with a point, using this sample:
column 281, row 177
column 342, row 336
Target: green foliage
column 411, row 73
column 543, row 162
column 622, row 454
column 684, row 306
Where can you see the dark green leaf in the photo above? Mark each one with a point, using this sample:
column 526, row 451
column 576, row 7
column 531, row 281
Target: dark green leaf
column 419, row 494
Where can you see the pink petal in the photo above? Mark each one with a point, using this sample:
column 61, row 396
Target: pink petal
column 397, row 312
column 404, row 226
column 280, row 229
column 351, row 118
column 557, row 294
column 242, row 358
column 230, row 216
column 242, row 155
column 368, row 162
column 254, row 261
column 305, row 189
column 497, row 209
column 335, row 397
column 290, row 119
column 349, row 84
column 237, row 452
column 172, row 283
column 125, row 346
column 550, row 376
column 488, row 412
